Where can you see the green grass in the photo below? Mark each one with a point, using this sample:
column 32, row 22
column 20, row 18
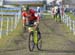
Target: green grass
column 9, row 11
column 70, row 33
column 4, row 27
column 71, row 15
column 47, row 16
column 4, row 40
column 15, row 33
column 67, row 28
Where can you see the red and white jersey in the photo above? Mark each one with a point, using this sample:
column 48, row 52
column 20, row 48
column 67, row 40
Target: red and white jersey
column 34, row 17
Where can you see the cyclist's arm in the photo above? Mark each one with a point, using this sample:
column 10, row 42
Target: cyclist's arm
column 38, row 18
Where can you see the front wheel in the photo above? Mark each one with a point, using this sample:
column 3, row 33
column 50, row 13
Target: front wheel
column 31, row 42
column 39, row 44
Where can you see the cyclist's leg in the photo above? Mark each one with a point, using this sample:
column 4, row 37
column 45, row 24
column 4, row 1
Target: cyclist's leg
column 27, row 21
column 24, row 25
column 60, row 17
column 55, row 17
column 36, row 27
column 24, row 21
column 39, row 33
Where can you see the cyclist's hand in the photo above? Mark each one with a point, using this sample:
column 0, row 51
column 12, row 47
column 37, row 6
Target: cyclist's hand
column 37, row 22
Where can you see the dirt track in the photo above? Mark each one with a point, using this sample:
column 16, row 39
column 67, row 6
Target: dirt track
column 55, row 41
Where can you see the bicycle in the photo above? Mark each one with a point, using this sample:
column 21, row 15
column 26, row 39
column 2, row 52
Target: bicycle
column 34, row 38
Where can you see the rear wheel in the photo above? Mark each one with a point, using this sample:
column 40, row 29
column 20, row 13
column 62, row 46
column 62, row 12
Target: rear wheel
column 31, row 42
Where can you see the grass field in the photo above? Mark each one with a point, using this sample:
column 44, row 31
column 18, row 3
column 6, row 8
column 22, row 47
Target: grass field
column 5, row 18
column 15, row 32
column 71, row 15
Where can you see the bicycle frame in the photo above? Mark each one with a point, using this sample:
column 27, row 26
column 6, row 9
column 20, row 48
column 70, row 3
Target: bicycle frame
column 34, row 38
column 35, row 35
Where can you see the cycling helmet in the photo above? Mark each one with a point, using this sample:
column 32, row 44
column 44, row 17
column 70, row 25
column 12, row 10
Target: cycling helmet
column 32, row 11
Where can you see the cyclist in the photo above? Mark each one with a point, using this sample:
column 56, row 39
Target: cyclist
column 24, row 17
column 33, row 18
column 34, row 33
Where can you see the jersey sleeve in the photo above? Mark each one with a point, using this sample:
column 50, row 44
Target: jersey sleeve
column 24, row 14
column 36, row 14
